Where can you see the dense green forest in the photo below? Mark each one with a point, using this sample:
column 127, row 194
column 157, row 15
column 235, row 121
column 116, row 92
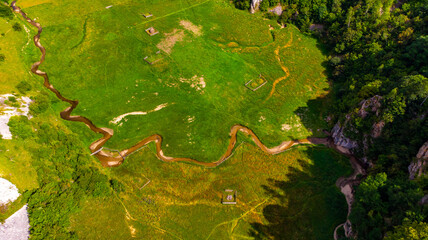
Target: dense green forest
column 377, row 48
column 66, row 177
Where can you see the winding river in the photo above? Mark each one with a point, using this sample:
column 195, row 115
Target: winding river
column 112, row 158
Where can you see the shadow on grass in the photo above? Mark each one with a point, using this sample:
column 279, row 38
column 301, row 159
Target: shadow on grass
column 307, row 205
column 316, row 115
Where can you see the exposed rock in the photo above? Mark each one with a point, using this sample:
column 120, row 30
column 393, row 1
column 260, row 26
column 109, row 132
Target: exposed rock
column 317, row 27
column 373, row 104
column 276, row 10
column 377, row 129
column 346, row 186
column 423, row 152
column 366, row 142
column 17, row 226
column 8, row 109
column 340, row 140
column 417, row 167
column 8, row 192
column 424, row 200
column 348, row 229
column 255, row 5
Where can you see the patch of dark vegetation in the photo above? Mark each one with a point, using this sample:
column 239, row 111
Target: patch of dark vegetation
column 17, row 27
column 40, row 104
column 20, row 127
column 66, row 178
column 308, row 205
column 5, row 11
column 83, row 34
column 23, row 87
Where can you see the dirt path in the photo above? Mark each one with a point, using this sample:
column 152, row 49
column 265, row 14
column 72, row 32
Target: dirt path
column 284, row 68
column 346, row 184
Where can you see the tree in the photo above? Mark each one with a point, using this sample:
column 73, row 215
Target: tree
column 409, row 230
column 23, row 87
column 242, row 4
column 394, row 105
column 264, row 5
column 5, row 12
column 20, row 127
column 17, row 27
column 414, row 87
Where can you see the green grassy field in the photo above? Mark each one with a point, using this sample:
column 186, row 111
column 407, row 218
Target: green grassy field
column 16, row 46
column 96, row 55
column 183, row 201
column 191, row 97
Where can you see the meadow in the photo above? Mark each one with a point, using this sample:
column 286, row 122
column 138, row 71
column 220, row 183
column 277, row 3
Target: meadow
column 293, row 194
column 196, row 93
column 192, row 96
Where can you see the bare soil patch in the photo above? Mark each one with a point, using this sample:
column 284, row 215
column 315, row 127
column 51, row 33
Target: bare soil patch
column 170, row 40
column 189, row 26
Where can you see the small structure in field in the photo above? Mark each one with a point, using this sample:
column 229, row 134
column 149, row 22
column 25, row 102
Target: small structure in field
column 229, row 197
column 147, row 15
column 253, row 85
column 154, row 58
column 152, row 31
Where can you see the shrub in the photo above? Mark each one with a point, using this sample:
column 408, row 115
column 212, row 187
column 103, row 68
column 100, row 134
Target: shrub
column 20, row 127
column 23, row 87
column 271, row 15
column 2, row 57
column 5, row 11
column 12, row 99
column 242, row 4
column 264, row 6
column 40, row 104
column 117, row 186
column 17, row 27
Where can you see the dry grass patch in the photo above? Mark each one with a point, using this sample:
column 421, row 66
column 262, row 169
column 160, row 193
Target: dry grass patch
column 170, row 40
column 189, row 26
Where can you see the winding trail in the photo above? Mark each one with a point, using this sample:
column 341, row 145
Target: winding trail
column 112, row 159
column 284, row 68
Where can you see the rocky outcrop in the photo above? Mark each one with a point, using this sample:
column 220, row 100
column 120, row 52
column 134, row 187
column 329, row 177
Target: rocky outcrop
column 340, row 140
column 255, row 5
column 424, row 200
column 423, row 152
column 317, row 27
column 276, row 10
column 346, row 186
column 17, row 226
column 372, row 104
column 416, row 167
column 377, row 129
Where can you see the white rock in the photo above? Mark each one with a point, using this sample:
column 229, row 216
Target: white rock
column 6, row 112
column 255, row 5
column 16, row 227
column 8, row 192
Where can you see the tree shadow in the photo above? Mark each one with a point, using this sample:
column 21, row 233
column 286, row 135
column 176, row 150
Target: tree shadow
column 307, row 205
column 315, row 115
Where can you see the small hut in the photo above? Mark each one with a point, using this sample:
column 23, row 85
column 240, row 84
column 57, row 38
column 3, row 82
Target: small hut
column 147, row 15
column 152, row 31
column 229, row 197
